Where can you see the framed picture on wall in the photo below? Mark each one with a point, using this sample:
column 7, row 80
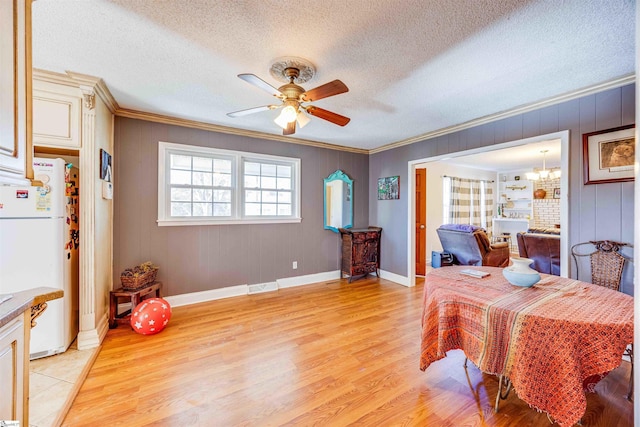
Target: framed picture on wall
column 389, row 188
column 609, row 155
column 556, row 193
column 105, row 165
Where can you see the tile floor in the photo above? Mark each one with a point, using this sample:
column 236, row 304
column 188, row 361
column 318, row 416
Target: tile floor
column 52, row 381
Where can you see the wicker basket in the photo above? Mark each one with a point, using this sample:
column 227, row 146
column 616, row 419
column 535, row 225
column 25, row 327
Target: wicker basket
column 132, row 283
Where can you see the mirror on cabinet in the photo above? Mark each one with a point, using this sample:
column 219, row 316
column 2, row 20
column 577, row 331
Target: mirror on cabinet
column 338, row 201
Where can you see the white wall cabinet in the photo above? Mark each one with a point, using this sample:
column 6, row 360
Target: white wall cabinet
column 56, row 119
column 15, row 92
column 12, row 370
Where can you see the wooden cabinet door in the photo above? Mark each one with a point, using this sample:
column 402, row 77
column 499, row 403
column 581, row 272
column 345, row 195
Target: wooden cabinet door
column 56, row 120
column 15, row 98
column 12, row 369
column 421, row 221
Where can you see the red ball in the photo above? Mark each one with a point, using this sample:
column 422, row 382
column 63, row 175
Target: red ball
column 151, row 316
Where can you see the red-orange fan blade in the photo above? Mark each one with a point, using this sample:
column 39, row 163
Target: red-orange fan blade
column 291, row 128
column 328, row 115
column 335, row 87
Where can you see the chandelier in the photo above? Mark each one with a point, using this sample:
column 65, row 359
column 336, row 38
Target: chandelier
column 544, row 173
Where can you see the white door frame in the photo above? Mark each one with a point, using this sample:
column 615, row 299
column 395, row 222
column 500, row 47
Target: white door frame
column 563, row 136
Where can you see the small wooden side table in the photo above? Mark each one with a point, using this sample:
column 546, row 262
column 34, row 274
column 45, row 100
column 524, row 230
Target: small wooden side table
column 135, row 296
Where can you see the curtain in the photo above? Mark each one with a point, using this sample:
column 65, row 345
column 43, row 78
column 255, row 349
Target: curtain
column 468, row 201
column 475, row 213
column 488, row 207
column 459, row 201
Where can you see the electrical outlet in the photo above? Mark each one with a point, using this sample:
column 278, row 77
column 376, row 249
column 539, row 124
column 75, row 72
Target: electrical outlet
column 295, row 265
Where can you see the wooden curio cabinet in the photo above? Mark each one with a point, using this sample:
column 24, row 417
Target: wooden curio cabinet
column 360, row 251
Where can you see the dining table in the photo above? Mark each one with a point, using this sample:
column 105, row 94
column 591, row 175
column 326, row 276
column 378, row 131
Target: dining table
column 554, row 341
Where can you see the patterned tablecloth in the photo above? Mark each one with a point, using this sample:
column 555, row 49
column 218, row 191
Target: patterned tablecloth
column 554, row 341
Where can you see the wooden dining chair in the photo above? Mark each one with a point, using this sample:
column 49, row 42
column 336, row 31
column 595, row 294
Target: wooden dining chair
column 606, row 264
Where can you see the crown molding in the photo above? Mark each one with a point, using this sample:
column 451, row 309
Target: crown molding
column 53, row 77
column 159, row 118
column 99, row 86
column 611, row 84
column 77, row 80
column 80, row 81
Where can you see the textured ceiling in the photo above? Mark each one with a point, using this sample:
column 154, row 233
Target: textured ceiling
column 412, row 67
column 513, row 159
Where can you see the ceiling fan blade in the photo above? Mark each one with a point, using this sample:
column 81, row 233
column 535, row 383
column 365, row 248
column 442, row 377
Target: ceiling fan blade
column 335, row 87
column 291, row 128
column 258, row 82
column 328, row 115
column 253, row 110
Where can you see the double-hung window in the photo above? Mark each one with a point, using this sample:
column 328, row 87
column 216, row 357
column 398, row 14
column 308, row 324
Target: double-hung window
column 201, row 185
column 268, row 188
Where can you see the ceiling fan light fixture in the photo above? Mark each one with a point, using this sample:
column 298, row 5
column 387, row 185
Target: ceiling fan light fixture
column 287, row 115
column 281, row 122
column 293, row 71
column 302, row 118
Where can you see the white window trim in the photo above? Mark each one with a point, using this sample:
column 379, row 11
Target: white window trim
column 164, row 219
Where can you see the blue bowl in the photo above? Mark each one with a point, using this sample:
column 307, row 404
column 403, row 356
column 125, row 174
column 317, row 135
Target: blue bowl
column 525, row 280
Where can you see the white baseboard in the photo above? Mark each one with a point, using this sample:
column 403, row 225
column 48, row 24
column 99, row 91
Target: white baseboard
column 210, row 295
column 234, row 291
column 287, row 282
column 91, row 338
column 393, row 277
column 291, row 282
column 103, row 327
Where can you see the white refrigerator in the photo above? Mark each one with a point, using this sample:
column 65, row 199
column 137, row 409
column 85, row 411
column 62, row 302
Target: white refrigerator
column 39, row 245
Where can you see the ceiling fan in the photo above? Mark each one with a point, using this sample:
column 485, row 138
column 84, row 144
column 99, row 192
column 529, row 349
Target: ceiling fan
column 293, row 97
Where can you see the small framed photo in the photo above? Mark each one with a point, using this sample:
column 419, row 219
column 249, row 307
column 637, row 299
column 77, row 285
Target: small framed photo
column 389, row 188
column 556, row 193
column 609, row 155
column 105, row 165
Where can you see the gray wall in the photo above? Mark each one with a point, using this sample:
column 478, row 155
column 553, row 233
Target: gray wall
column 601, row 211
column 198, row 258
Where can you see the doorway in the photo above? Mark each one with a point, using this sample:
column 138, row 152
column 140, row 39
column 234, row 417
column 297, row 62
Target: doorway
column 71, row 251
column 414, row 165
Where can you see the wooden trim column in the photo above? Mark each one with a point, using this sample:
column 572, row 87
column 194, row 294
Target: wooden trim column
column 88, row 336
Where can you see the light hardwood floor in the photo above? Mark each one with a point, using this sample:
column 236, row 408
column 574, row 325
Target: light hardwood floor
column 328, row 354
